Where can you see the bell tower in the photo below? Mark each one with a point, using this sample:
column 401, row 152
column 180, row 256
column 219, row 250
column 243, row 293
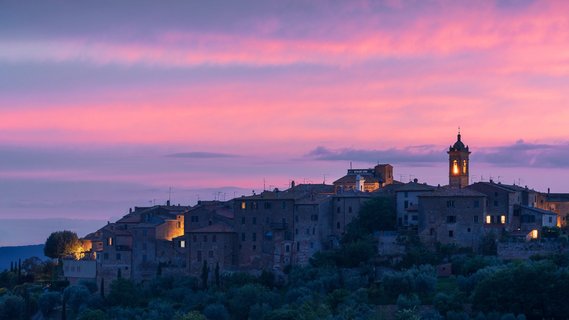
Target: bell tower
column 458, row 164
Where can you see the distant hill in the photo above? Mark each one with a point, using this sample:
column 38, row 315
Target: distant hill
column 8, row 254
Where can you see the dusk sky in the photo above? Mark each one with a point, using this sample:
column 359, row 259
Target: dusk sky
column 106, row 105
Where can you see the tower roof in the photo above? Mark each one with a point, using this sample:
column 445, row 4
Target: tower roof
column 458, row 145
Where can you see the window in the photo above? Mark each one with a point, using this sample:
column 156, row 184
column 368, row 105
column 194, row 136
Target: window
column 243, row 205
column 432, row 231
column 179, row 225
column 182, row 244
column 199, row 255
column 406, row 204
column 254, row 220
column 283, row 205
column 468, row 230
column 296, row 218
column 296, row 231
column 311, row 245
column 550, row 220
column 475, row 219
column 243, row 237
column 450, row 233
column 450, row 203
column 415, row 218
column 503, row 219
column 194, row 218
column 298, row 246
column 267, row 205
column 287, row 248
column 254, row 247
column 350, row 209
column 455, row 169
column 464, row 166
column 406, row 194
column 254, row 236
column 314, row 229
column 476, row 204
column 307, row 230
column 337, row 225
column 488, row 219
column 110, row 241
column 451, row 219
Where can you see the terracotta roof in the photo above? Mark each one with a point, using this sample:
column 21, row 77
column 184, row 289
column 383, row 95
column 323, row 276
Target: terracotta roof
column 452, row 192
column 557, row 197
column 540, row 211
column 415, row 186
column 351, row 178
column 215, row 228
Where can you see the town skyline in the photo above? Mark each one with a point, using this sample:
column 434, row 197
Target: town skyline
column 109, row 107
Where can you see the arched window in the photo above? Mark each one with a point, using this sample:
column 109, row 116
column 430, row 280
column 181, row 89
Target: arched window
column 464, row 166
column 455, row 169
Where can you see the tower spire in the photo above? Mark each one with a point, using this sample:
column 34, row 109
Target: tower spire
column 458, row 136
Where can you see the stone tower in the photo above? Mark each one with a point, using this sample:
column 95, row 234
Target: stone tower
column 458, row 164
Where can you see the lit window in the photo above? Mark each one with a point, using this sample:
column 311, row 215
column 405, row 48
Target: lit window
column 182, row 244
column 243, row 205
column 503, row 219
column 464, row 166
column 488, row 219
column 534, row 234
column 110, row 241
column 455, row 169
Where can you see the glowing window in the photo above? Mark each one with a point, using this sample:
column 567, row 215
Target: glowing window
column 182, row 244
column 503, row 219
column 110, row 241
column 488, row 219
column 455, row 169
column 243, row 205
column 464, row 166
column 534, row 234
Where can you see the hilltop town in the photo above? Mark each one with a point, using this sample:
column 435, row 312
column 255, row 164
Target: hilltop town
column 280, row 228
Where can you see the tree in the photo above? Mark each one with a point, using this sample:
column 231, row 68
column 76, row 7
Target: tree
column 205, row 275
column 123, row 293
column 216, row 273
column 376, row 214
column 62, row 243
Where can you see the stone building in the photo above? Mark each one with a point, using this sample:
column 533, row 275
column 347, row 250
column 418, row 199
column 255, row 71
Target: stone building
column 345, row 208
column 558, row 203
column 452, row 216
column 365, row 180
column 407, row 202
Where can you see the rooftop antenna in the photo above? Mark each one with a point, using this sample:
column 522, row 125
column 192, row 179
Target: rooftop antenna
column 264, row 183
column 350, row 165
column 324, row 182
column 169, row 194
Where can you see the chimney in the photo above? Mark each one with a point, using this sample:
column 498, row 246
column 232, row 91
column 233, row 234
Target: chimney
column 292, row 184
column 548, row 190
column 129, row 210
column 415, row 180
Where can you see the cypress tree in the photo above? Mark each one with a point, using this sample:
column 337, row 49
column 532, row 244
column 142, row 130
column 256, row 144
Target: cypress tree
column 205, row 274
column 11, row 266
column 217, row 278
column 102, row 288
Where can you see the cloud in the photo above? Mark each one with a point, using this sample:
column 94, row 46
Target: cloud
column 524, row 154
column 412, row 154
column 520, row 154
column 201, row 155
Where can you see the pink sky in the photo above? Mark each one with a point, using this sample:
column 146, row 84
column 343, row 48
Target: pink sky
column 111, row 95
